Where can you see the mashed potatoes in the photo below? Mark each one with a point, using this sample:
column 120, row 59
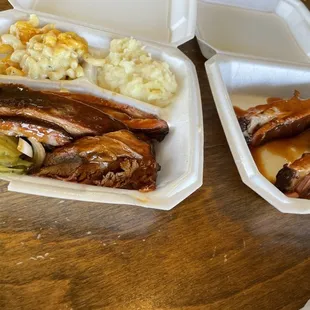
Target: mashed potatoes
column 131, row 71
column 42, row 53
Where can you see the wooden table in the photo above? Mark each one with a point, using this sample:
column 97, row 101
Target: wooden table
column 222, row 248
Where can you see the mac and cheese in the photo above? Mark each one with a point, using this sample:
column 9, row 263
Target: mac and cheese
column 42, row 53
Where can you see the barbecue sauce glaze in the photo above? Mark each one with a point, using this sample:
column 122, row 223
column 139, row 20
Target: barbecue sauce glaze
column 284, row 150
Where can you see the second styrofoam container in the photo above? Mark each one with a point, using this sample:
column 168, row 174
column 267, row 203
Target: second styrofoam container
column 257, row 50
column 246, row 82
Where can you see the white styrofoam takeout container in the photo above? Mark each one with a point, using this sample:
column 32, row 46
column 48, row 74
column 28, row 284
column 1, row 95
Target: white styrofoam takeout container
column 261, row 50
column 164, row 24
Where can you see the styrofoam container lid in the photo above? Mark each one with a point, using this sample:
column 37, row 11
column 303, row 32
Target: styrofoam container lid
column 273, row 29
column 170, row 22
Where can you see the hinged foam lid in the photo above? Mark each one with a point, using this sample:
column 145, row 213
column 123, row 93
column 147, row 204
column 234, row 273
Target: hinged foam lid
column 170, row 22
column 274, row 29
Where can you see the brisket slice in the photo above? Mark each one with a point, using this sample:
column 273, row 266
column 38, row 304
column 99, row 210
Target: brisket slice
column 40, row 130
column 278, row 119
column 295, row 177
column 117, row 159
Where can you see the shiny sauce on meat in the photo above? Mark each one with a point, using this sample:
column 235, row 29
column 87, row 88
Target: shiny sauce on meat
column 287, row 107
column 62, row 111
column 270, row 101
column 239, row 112
column 293, row 105
column 273, row 100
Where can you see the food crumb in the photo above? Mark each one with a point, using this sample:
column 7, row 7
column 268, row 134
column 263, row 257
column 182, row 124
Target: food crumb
column 68, row 220
column 88, row 233
column 19, row 263
column 104, row 244
column 40, row 257
column 32, row 258
column 214, row 251
column 61, row 201
column 20, row 219
column 225, row 258
column 38, row 236
column 46, row 254
column 143, row 240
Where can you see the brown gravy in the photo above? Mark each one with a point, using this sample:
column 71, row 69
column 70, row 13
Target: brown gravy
column 289, row 149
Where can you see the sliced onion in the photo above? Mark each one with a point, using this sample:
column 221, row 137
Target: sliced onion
column 38, row 153
column 24, row 147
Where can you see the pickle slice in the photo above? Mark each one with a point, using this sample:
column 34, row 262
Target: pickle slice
column 10, row 161
column 11, row 170
column 8, row 146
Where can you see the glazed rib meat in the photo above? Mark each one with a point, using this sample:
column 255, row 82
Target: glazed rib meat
column 295, row 178
column 117, row 159
column 78, row 114
column 278, row 119
column 76, row 118
column 43, row 132
column 136, row 120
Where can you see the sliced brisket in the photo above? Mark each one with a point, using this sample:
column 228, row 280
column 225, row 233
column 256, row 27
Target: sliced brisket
column 117, row 159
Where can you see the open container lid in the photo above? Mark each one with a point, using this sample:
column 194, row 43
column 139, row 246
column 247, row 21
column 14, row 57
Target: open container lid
column 273, row 29
column 170, row 22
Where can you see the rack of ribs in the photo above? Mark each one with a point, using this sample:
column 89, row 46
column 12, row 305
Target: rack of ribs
column 59, row 117
column 136, row 120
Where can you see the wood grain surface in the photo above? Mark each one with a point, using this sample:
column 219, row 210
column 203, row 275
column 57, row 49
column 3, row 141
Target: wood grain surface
column 222, row 248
